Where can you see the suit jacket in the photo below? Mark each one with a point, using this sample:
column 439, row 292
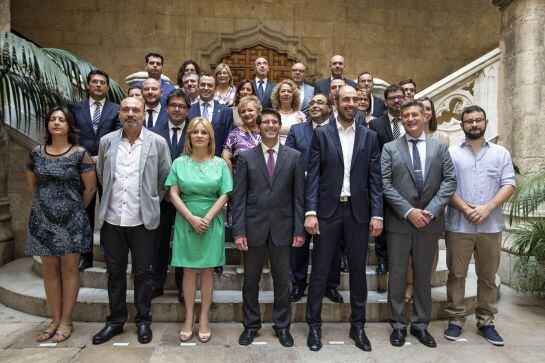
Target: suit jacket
column 162, row 118
column 378, row 106
column 167, row 88
column 299, row 138
column 108, row 122
column 261, row 206
column 322, row 86
column 326, row 170
column 401, row 193
column 266, row 100
column 154, row 167
column 383, row 129
column 164, row 131
column 222, row 122
column 309, row 93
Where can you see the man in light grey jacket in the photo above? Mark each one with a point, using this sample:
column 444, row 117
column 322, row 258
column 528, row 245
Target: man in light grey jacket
column 132, row 166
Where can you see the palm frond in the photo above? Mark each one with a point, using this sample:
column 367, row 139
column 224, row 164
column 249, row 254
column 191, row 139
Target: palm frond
column 529, row 195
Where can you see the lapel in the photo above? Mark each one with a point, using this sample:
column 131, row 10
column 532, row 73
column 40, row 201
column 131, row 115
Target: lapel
column 430, row 151
column 181, row 141
column 334, row 136
column 258, row 151
column 86, row 109
column 307, row 133
column 104, row 115
column 358, row 138
column 404, row 150
column 388, row 128
column 216, row 113
column 280, row 158
column 114, row 145
column 146, row 145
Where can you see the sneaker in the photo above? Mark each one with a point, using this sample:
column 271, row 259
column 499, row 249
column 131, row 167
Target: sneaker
column 452, row 332
column 491, row 335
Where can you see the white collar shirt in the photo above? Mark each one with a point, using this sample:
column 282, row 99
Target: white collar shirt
column 264, row 80
column 210, row 108
column 93, row 106
column 171, row 131
column 401, row 128
column 155, row 110
column 265, row 150
column 347, row 137
column 421, row 146
column 315, row 124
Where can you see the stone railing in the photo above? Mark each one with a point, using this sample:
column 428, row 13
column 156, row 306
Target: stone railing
column 473, row 84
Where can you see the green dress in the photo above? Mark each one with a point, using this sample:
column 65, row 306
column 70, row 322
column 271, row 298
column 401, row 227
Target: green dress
column 201, row 184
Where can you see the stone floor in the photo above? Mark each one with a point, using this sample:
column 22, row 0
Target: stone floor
column 521, row 322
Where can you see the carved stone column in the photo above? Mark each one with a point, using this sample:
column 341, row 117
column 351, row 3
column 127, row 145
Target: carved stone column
column 522, row 80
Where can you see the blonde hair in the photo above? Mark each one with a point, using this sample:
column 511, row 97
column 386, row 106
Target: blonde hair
column 248, row 99
column 294, row 91
column 220, row 67
column 188, row 148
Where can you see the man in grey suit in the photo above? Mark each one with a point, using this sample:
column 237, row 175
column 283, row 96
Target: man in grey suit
column 268, row 213
column 298, row 75
column 418, row 179
column 132, row 166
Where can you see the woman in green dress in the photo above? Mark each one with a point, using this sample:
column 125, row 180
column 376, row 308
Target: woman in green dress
column 199, row 184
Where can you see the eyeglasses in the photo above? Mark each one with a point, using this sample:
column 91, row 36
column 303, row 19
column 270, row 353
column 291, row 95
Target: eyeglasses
column 393, row 98
column 180, row 107
column 471, row 122
column 319, row 103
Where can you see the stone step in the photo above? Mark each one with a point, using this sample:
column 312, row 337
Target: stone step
column 96, row 277
column 22, row 289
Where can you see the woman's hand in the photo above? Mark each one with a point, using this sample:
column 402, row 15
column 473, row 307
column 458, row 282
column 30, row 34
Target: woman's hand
column 200, row 225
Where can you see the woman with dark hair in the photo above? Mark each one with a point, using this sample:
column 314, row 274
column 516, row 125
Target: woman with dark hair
column 61, row 175
column 244, row 88
column 188, row 66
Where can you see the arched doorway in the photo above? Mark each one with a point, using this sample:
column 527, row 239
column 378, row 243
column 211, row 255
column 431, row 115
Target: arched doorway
column 242, row 62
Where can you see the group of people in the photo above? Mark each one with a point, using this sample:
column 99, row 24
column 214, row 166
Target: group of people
column 295, row 164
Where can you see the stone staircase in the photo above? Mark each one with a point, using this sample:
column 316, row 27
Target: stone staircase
column 21, row 288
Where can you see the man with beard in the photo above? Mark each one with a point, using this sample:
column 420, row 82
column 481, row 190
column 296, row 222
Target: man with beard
column 155, row 112
column 343, row 198
column 474, row 223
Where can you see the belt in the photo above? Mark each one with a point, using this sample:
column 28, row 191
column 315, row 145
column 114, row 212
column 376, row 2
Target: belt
column 344, row 199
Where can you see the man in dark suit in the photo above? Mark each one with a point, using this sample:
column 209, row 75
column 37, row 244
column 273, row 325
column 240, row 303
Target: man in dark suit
column 156, row 114
column 365, row 82
column 154, row 67
column 95, row 117
column 262, row 85
column 343, row 196
column 173, row 132
column 268, row 213
column 336, row 64
column 298, row 74
column 409, row 88
column 418, row 178
column 219, row 115
column 388, row 128
column 299, row 138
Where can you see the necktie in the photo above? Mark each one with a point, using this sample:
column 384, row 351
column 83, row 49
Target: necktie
column 96, row 116
column 396, row 132
column 260, row 90
column 270, row 164
column 150, row 119
column 175, row 138
column 205, row 111
column 417, row 167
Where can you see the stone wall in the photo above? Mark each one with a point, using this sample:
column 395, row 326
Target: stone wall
column 422, row 39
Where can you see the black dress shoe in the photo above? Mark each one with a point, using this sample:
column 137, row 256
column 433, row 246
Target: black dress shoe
column 84, row 264
column 344, row 264
column 144, row 333
column 382, row 268
column 361, row 340
column 284, row 337
column 397, row 338
column 107, row 333
column 247, row 337
column 424, row 337
column 296, row 293
column 181, row 296
column 156, row 292
column 314, row 340
column 333, row 295
column 218, row 269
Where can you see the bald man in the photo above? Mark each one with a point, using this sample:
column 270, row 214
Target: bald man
column 336, row 64
column 262, row 84
column 156, row 114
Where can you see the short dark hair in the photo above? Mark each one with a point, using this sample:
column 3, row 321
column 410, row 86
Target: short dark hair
column 412, row 103
column 326, row 97
column 471, row 109
column 407, row 81
column 100, row 72
column 392, row 88
column 179, row 93
column 134, row 86
column 241, row 84
column 207, row 74
column 365, row 72
column 433, row 120
column 269, row 111
column 157, row 55
column 73, row 132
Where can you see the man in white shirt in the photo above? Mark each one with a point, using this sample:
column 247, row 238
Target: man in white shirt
column 262, row 84
column 154, row 112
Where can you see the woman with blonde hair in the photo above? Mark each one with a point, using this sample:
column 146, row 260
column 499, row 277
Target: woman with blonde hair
column 199, row 185
column 225, row 90
column 286, row 99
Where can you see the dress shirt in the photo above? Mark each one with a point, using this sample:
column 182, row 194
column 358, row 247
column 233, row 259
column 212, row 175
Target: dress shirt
column 335, row 112
column 315, row 124
column 156, row 111
column 171, row 131
column 92, row 106
column 479, row 178
column 265, row 80
column 301, row 94
column 401, row 128
column 210, row 108
column 421, row 146
column 265, row 149
column 347, row 136
column 125, row 208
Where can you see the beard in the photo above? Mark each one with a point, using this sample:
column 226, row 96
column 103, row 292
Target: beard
column 475, row 135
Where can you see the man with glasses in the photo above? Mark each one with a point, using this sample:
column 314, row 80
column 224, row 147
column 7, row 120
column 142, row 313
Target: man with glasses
column 365, row 82
column 155, row 112
column 154, row 67
column 298, row 75
column 173, row 132
column 388, row 128
column 474, row 224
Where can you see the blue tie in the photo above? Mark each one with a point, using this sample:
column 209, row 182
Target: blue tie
column 96, row 116
column 205, row 111
column 417, row 167
column 260, row 90
column 150, row 119
column 174, row 141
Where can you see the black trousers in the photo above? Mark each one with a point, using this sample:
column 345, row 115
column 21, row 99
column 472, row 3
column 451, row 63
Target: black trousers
column 381, row 247
column 88, row 256
column 116, row 242
column 299, row 257
column 253, row 266
column 356, row 238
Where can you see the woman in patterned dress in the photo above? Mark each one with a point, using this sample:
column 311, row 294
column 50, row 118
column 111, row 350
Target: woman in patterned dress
column 225, row 91
column 286, row 99
column 61, row 175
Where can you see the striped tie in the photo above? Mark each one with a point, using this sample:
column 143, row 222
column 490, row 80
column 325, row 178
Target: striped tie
column 396, row 131
column 417, row 167
column 96, row 116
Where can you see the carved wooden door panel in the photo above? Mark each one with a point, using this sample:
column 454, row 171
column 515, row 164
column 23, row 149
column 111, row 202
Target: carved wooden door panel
column 242, row 63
